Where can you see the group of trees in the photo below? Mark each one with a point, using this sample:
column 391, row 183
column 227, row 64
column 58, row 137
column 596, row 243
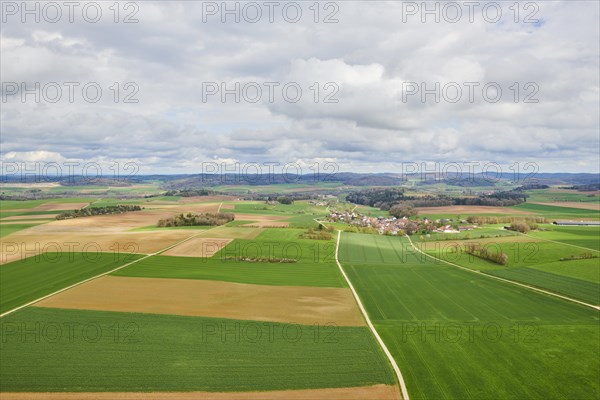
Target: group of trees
column 387, row 198
column 285, row 200
column 261, row 259
column 89, row 211
column 190, row 192
column 318, row 234
column 478, row 219
column 480, row 251
column 403, row 209
column 488, row 201
column 522, row 226
column 376, row 197
column 201, row 219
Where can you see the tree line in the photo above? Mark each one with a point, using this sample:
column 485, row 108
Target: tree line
column 90, row 211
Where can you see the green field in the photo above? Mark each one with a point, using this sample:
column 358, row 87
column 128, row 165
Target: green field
column 554, row 212
column 33, row 277
column 455, row 334
column 296, row 274
column 538, row 263
column 547, row 196
column 487, row 231
column 7, row 229
column 315, row 266
column 583, row 236
column 6, row 205
column 110, row 351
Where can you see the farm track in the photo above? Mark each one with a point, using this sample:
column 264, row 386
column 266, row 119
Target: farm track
column 102, row 274
column 369, row 323
column 533, row 288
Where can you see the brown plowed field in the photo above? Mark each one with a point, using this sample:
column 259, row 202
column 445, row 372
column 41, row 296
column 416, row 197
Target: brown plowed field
column 292, row 304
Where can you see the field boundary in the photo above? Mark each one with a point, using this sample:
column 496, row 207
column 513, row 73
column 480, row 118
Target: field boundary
column 99, row 275
column 507, row 280
column 369, row 323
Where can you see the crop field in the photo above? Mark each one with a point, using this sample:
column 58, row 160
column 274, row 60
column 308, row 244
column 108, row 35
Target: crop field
column 555, row 212
column 533, row 262
column 34, row 277
column 561, row 195
column 128, row 352
column 315, row 264
column 185, row 318
column 447, row 327
column 171, row 319
column 582, row 236
column 7, row 229
column 293, row 274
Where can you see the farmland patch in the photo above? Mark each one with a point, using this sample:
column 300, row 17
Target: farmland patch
column 304, row 305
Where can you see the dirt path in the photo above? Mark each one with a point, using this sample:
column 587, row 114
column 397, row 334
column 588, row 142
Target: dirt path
column 374, row 392
column 533, row 288
column 369, row 323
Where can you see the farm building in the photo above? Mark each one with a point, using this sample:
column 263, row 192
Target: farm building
column 577, row 223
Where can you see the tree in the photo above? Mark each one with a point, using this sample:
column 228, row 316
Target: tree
column 403, row 210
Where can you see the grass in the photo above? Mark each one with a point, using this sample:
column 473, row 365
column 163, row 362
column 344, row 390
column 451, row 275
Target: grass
column 584, row 236
column 33, row 277
column 458, row 335
column 573, row 287
column 491, row 230
column 128, row 352
column 315, row 264
column 7, row 229
column 535, row 263
column 279, row 274
column 548, row 196
column 6, row 205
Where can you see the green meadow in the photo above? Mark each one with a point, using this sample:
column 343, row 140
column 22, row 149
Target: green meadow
column 455, row 334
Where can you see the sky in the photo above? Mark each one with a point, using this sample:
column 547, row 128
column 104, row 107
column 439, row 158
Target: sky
column 182, row 87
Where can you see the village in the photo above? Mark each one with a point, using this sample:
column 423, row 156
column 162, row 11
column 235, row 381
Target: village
column 400, row 226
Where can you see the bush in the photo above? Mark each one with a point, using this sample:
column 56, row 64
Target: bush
column 519, row 226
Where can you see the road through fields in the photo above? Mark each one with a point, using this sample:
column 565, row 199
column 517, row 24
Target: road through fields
column 369, row 323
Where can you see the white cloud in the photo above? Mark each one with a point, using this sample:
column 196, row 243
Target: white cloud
column 369, row 54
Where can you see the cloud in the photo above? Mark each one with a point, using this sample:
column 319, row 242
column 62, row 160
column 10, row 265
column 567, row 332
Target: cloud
column 364, row 61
